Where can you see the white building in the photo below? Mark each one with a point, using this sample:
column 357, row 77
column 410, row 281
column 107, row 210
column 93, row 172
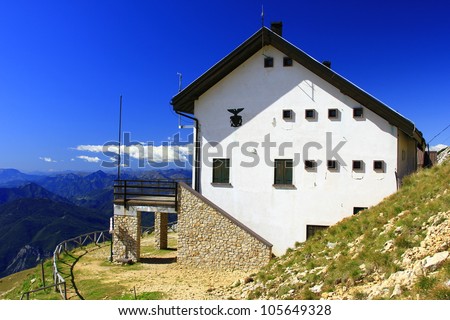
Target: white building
column 309, row 148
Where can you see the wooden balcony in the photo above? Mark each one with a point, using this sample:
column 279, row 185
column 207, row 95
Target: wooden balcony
column 151, row 193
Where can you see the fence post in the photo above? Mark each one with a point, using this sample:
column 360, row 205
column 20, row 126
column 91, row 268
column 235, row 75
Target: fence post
column 124, row 191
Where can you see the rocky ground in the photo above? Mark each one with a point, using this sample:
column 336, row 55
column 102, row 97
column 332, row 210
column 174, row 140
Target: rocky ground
column 416, row 262
column 158, row 273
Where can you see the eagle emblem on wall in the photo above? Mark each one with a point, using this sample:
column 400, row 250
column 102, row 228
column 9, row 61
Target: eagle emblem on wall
column 235, row 119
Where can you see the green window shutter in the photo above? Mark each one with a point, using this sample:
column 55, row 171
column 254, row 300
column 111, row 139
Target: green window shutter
column 278, row 172
column 216, row 168
column 221, row 170
column 226, row 171
column 283, row 171
column 288, row 172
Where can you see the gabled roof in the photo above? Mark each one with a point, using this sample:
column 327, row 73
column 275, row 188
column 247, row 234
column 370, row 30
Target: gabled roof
column 184, row 100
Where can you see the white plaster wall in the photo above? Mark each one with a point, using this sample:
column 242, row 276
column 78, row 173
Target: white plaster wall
column 319, row 198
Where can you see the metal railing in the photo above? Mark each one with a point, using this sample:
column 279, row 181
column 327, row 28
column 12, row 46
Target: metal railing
column 145, row 230
column 70, row 244
column 126, row 190
column 59, row 283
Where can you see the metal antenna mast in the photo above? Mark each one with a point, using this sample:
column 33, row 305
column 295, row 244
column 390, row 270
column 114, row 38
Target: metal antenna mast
column 120, row 138
column 180, row 79
column 262, row 15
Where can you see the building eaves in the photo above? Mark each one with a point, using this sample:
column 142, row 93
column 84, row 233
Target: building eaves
column 184, row 100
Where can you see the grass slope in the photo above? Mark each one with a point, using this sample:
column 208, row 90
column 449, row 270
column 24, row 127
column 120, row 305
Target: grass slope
column 351, row 258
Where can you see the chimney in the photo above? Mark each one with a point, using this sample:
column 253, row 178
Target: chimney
column 327, row 63
column 277, row 27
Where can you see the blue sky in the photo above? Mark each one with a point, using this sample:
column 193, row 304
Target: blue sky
column 64, row 65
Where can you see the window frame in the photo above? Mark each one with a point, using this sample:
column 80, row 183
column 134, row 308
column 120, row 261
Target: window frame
column 310, row 164
column 357, row 210
column 312, row 229
column 221, row 173
column 356, row 110
column 334, row 165
column 361, row 165
column 379, row 162
column 288, row 62
column 291, row 114
column 268, row 62
column 336, row 116
column 281, row 166
column 313, row 114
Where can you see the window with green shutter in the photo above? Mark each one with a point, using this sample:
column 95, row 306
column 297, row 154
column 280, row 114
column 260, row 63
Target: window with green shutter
column 221, row 171
column 283, row 171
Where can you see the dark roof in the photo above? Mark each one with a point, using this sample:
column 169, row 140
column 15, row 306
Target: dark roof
column 184, row 100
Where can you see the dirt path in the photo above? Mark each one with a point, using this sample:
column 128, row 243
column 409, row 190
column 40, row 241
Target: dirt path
column 158, row 272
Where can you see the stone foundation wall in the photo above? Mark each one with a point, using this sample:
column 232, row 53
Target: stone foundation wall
column 126, row 237
column 208, row 237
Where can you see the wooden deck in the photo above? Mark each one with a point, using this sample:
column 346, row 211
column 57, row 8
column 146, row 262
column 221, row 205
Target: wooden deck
column 150, row 201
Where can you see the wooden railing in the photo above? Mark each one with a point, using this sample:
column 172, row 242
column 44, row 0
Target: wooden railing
column 126, row 190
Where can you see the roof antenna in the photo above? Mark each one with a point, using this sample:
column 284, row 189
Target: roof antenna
column 262, row 27
column 180, row 79
column 262, row 15
column 120, row 138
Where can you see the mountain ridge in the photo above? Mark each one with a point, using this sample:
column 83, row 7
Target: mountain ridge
column 28, row 210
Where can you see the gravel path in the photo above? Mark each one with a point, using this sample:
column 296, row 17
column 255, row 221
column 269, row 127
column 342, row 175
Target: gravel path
column 158, row 272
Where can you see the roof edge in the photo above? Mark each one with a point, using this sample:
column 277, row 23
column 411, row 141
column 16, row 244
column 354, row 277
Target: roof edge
column 184, row 101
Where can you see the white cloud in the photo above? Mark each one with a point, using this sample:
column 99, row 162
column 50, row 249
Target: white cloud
column 96, row 148
column 438, row 147
column 142, row 151
column 47, row 159
column 89, row 159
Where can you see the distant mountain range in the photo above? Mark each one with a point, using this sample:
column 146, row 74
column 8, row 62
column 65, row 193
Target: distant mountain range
column 38, row 211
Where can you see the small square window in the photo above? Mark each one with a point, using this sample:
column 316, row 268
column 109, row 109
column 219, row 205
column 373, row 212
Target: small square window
column 333, row 113
column 268, row 62
column 288, row 114
column 287, row 62
column 332, row 164
column 310, row 164
column 358, row 112
column 378, row 165
column 310, row 114
column 311, row 230
column 358, row 165
column 358, row 209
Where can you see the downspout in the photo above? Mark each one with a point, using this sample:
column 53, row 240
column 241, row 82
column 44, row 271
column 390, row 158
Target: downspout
column 197, row 151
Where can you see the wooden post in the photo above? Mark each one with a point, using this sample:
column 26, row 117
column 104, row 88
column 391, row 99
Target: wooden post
column 43, row 274
column 161, row 221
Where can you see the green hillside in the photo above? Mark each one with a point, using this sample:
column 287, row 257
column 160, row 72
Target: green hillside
column 398, row 249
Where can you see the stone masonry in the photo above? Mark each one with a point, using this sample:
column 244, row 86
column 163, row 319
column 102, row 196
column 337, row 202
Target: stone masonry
column 208, row 237
column 126, row 236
